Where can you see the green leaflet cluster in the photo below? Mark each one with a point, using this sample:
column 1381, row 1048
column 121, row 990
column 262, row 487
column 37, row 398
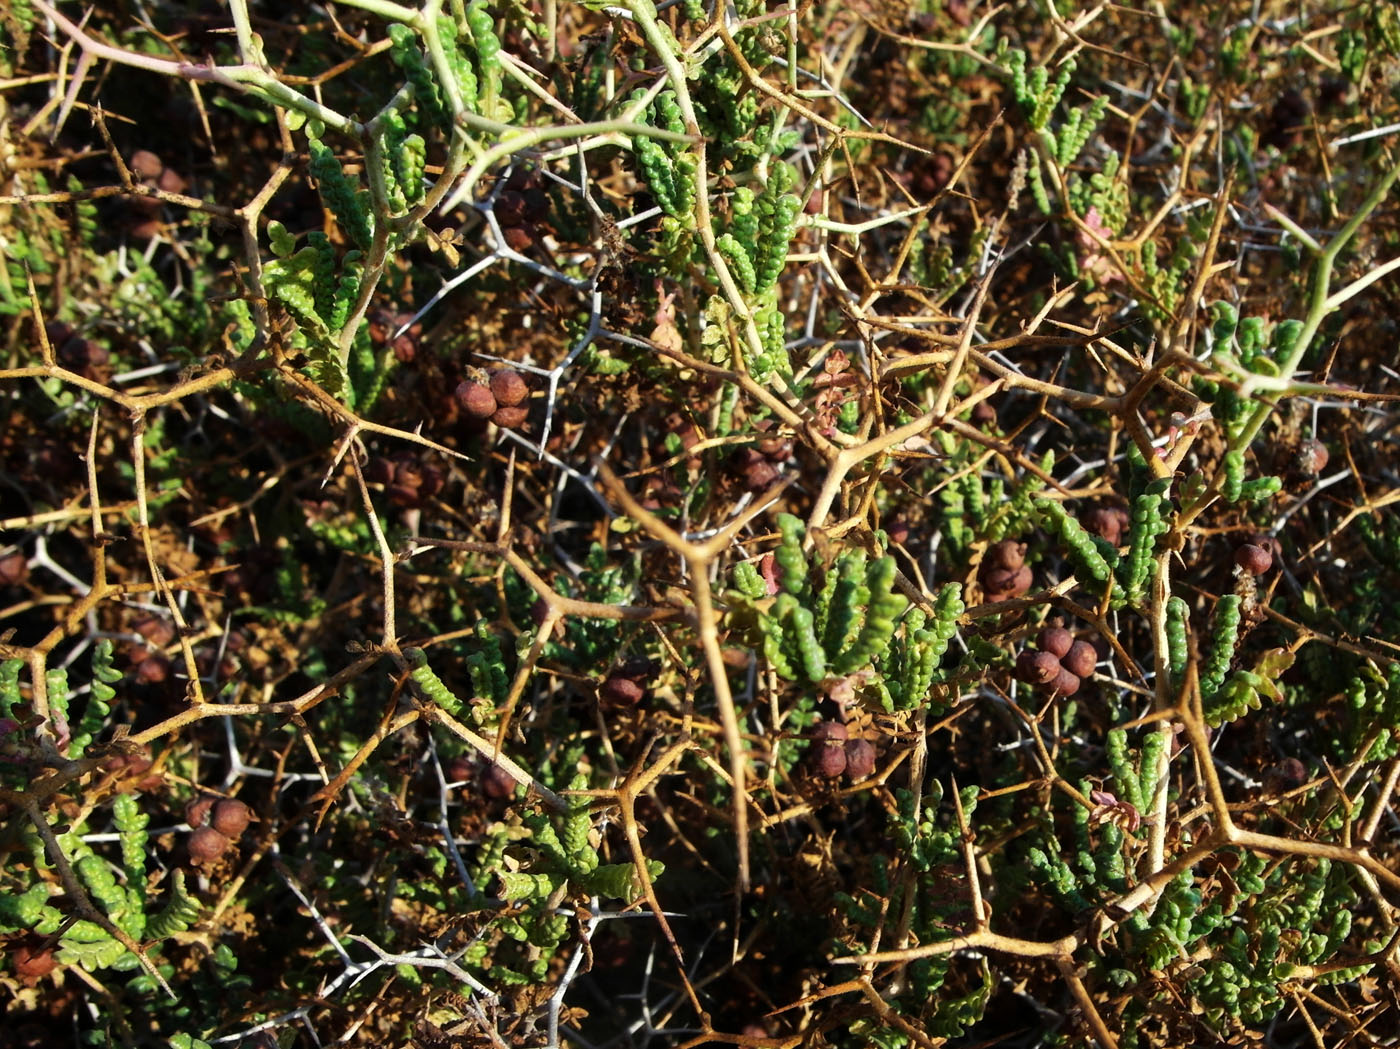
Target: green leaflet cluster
column 1096, row 561
column 486, row 671
column 318, row 292
column 1250, row 344
column 99, row 706
column 1287, row 920
column 1374, row 699
column 1038, row 95
column 557, row 867
column 408, row 55
column 729, row 115
column 1093, row 558
column 1147, row 521
column 969, row 506
column 825, row 621
column 86, row 943
column 910, row 666
column 754, row 244
column 1224, row 637
column 940, row 896
column 668, row 167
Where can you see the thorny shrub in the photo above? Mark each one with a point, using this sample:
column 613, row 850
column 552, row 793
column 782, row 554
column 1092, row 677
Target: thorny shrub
column 780, row 524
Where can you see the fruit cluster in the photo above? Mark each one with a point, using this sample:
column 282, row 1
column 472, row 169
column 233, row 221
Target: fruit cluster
column 217, row 823
column 834, row 752
column 1058, row 664
column 501, row 399
column 1004, row 573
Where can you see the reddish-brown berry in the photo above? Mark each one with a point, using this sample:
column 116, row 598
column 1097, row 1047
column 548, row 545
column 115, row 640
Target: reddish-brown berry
column 1080, row 659
column 1054, row 639
column 14, row 569
column 1107, row 522
column 476, row 400
column 1312, row 457
column 860, row 758
column 32, row 963
column 172, row 181
column 760, row 475
column 207, row 845
column 1256, row 560
column 497, row 783
column 230, row 817
column 509, row 388
column 830, row 731
column 1002, row 584
column 1037, row 668
column 984, row 413
column 1006, row 554
column 197, row 811
column 145, row 164
column 153, row 670
column 621, row 690
column 511, row 418
column 1065, row 683
column 518, row 238
column 829, row 760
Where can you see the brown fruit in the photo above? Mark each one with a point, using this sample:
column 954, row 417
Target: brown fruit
column 1054, row 639
column 760, row 476
column 518, row 238
column 497, row 783
column 476, row 400
column 31, row 963
column 774, row 449
column 830, row 732
column 1065, row 683
column 621, row 690
column 509, row 208
column 860, row 758
column 509, row 388
column 1080, row 659
column 1255, row 560
column 1006, row 554
column 1037, row 668
column 1312, row 457
column 172, row 182
column 1002, row 584
column 511, row 418
column 1107, row 522
column 145, row 164
column 829, row 760
column 158, row 632
column 14, row 569
column 153, row 670
column 457, row 770
column 197, row 811
column 207, row 845
column 230, row 817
